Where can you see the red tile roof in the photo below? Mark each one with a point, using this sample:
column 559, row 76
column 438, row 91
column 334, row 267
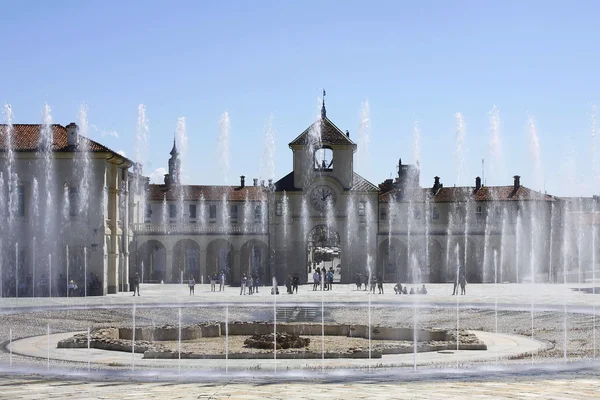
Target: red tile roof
column 330, row 135
column 452, row 194
column 26, row 137
column 210, row 193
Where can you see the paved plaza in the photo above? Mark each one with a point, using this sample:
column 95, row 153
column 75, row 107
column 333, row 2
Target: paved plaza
column 37, row 369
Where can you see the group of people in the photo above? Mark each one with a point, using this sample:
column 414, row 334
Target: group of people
column 399, row 289
column 292, row 284
column 322, row 278
column 461, row 281
column 251, row 283
column 368, row 282
column 213, row 278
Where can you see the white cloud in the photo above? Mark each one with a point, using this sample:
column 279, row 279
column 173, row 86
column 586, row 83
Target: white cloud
column 158, row 176
column 121, row 152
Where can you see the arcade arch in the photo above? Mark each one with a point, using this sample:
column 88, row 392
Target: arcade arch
column 219, row 258
column 324, row 250
column 186, row 260
column 151, row 262
column 254, row 260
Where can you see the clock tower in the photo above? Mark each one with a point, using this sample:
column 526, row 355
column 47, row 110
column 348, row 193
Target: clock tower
column 321, row 151
column 310, row 208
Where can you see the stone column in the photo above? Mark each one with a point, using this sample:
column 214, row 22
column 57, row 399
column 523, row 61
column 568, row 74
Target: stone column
column 202, row 262
column 169, row 264
column 125, row 237
column 235, row 273
column 113, row 206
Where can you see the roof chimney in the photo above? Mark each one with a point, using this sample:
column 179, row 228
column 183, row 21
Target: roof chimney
column 347, row 133
column 72, row 134
column 517, row 183
column 255, row 180
column 242, row 181
column 477, row 183
column 436, row 184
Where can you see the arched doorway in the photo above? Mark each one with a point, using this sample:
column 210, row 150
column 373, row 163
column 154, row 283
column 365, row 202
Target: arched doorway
column 390, row 264
column 186, row 260
column 219, row 258
column 151, row 262
column 324, row 251
column 254, row 260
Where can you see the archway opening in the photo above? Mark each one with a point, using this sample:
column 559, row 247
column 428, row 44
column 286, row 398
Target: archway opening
column 219, row 259
column 186, row 261
column 324, row 252
column 151, row 262
column 254, row 256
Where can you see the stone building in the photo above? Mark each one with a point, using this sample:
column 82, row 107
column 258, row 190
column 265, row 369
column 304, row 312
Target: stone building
column 64, row 212
column 77, row 210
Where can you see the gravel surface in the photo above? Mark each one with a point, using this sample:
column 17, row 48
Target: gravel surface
column 548, row 326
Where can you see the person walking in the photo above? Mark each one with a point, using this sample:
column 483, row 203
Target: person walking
column 380, row 283
column 222, row 281
column 136, row 284
column 191, row 284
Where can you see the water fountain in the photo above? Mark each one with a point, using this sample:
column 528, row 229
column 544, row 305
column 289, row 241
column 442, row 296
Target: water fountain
column 500, row 230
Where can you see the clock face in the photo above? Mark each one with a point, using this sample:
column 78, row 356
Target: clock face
column 321, row 196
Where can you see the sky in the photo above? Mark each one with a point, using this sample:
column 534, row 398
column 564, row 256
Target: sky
column 385, row 65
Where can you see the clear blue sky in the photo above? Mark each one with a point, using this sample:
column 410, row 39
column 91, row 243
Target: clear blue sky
column 412, row 60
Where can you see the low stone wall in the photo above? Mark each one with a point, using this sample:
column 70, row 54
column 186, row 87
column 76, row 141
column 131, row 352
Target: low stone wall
column 147, row 339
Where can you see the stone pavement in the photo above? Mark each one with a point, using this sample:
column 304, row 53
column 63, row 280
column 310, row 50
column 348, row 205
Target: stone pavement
column 560, row 387
column 517, row 296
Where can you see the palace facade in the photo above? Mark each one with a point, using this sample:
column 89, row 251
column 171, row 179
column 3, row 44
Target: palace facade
column 95, row 214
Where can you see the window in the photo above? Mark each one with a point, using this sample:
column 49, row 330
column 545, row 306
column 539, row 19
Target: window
column 278, row 208
column 257, row 213
column 361, row 209
column 73, row 201
column 148, row 212
column 417, row 214
column 172, row 211
column 324, row 159
column 435, row 214
column 20, row 201
column 478, row 211
column 192, row 209
column 233, row 214
column 212, row 211
column 384, row 213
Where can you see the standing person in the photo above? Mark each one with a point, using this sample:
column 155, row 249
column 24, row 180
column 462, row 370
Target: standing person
column 288, row 284
column 243, row 287
column 380, row 283
column 295, row 284
column 192, row 283
column 250, row 284
column 315, row 280
column 358, row 281
column 463, row 284
column 455, row 290
column 372, row 284
column 222, row 281
column 213, row 282
column 136, row 284
column 330, row 279
column 367, row 278
column 256, row 284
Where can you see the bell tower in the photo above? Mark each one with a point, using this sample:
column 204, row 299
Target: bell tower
column 323, row 150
